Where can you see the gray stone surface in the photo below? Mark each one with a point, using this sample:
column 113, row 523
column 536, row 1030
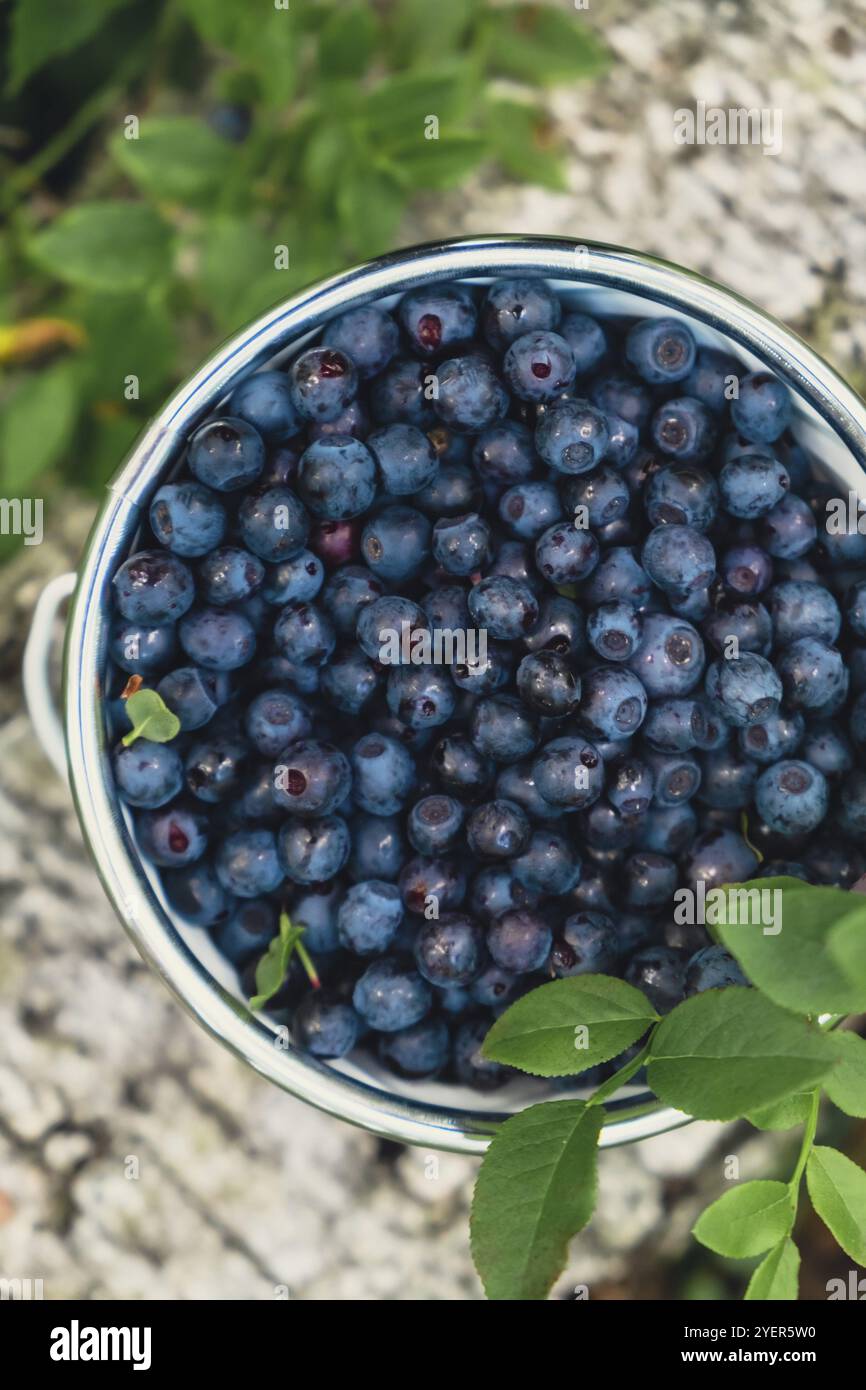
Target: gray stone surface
column 137, row 1159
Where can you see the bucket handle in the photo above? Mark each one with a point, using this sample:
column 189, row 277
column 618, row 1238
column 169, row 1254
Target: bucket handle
column 41, row 704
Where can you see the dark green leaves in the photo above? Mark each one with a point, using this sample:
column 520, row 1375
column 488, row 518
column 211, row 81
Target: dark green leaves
column 776, row 1277
column 524, row 143
column 347, row 42
column 173, row 158
column 846, row 1083
column 837, row 1189
column 539, row 44
column 569, row 1025
column 105, row 246
column 150, row 718
column 41, row 32
column 36, row 425
column 536, row 1189
column 273, row 968
column 796, row 966
column 748, row 1220
column 724, row 1053
column 847, row 946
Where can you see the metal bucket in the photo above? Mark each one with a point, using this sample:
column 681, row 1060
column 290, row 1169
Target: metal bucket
column 830, row 421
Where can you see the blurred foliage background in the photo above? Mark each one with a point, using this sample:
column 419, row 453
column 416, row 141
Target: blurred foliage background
column 154, row 156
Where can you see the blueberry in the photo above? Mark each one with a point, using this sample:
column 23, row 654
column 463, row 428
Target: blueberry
column 788, row 530
column 746, row 569
column 744, row 691
column 337, row 477
column 682, row 495
column 229, row 575
column 388, row 625
column 496, row 890
column 336, row 542
column 630, row 786
column 801, row 609
column 792, row 797
column 347, row 592
column 772, row 739
column 273, row 524
column 304, row 633
column 762, row 409
column 503, row 729
column 550, row 864
column 378, row 848
column 827, row 748
column 515, row 307
column 712, row 968
column 539, row 366
column 369, row 917
column 659, row 971
column 569, row 772
column 597, row 498
column 454, row 491
column 264, row 401
column 471, row 1066
column 547, row 683
column 368, row 335
column 670, row 658
column 142, row 650
column 586, row 944
column 613, row 703
column 624, row 397
column 662, row 351
column 432, row 884
column 437, row 317
column 396, row 543
column 460, row 767
column 147, row 774
column 297, row 580
column 349, row 680
column 450, row 951
column 619, row 577
column 391, row 995
column 494, row 987
column 418, row 1051
column 516, row 783
column 668, row 830
column 565, row 555
column 153, row 588
column 573, row 437
column 400, row 394
column 248, row 930
column 852, row 804
column 504, row 607
column 313, row 851
column 421, row 696
column 405, row 458
column 752, row 484
column 323, row 381
column 505, row 453
column 684, row 429
column 172, row 837
column 560, row 628
column 587, row 339
column 855, row 610
column 728, row 777
column 275, row 719
column 226, row 454
column 811, row 672
column 383, row 773
column 311, row 778
column 674, row 725
column 497, row 830
column 623, row 440
column 470, row 395
column 196, row 894
column 605, row 830
column 649, row 880
column 678, row 558
column 187, row 518
column 434, row 824
column 214, row 766
column 325, row 1025
column 677, row 777
column 746, row 620
column 513, row 560
column 519, row 941
column 714, row 379
column 718, row 857
column 246, row 863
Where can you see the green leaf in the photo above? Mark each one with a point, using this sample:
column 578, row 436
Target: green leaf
column 847, row 946
column 726, row 1052
column 438, row 164
column 784, row 1113
column 776, row 1278
column 747, row 1220
column 113, row 247
column 535, row 1190
column 794, row 966
column 370, row 205
column 257, row 36
column 237, row 270
column 273, row 966
column 543, row 1032
column 837, row 1189
column 540, row 45
column 144, row 326
column 393, row 115
column 419, row 33
column 40, row 32
column 347, row 42
column 150, row 718
column 846, row 1084
column 520, row 137
column 36, row 425
column 174, row 158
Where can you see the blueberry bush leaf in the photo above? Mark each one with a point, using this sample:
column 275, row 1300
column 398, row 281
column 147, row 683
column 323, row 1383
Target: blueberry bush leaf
column 794, row 966
column 105, row 246
column 536, row 1189
column 36, row 424
column 837, row 1190
column 847, row 946
column 40, row 33
column 567, row 1026
column 539, row 44
column 776, row 1277
column 785, row 1113
column 723, row 1053
column 175, row 158
column 748, row 1220
column 846, row 1083
column 150, row 718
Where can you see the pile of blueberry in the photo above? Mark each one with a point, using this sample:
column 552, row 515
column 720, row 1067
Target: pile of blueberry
column 662, row 677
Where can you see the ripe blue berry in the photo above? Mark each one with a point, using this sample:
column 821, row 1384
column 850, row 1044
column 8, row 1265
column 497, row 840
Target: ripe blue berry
column 226, row 454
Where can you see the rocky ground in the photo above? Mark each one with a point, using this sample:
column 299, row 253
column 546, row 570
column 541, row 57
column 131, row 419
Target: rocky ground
column 137, row 1159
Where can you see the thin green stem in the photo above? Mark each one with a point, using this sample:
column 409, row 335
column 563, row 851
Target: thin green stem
column 808, row 1140
column 307, row 962
column 619, row 1078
